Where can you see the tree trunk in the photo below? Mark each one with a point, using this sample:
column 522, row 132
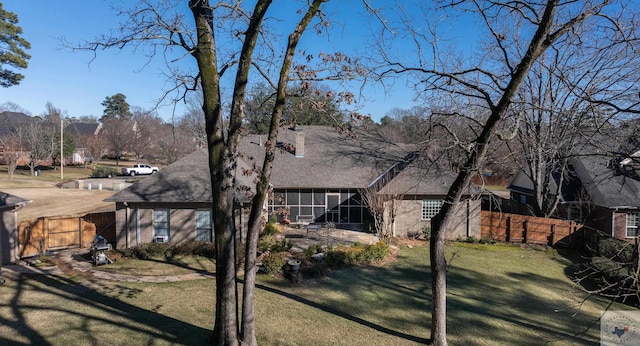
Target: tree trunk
column 248, row 336
column 542, row 39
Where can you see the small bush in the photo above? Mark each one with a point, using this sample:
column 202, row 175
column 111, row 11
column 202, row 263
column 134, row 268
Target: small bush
column 270, row 229
column 273, row 263
column 616, row 250
column 356, row 254
column 266, row 242
column 194, row 248
column 103, row 172
column 147, row 251
column 375, row 252
column 283, row 246
column 487, row 240
column 426, row 232
column 312, row 250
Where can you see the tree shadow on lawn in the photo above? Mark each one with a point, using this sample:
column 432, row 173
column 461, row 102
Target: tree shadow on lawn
column 78, row 301
column 510, row 308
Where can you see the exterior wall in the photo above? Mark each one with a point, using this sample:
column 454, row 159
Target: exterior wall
column 8, row 236
column 409, row 218
column 620, row 226
column 134, row 223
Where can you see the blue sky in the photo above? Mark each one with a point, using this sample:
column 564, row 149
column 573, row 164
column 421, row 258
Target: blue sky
column 68, row 81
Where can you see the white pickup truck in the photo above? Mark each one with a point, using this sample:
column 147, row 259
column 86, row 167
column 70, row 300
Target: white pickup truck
column 139, row 169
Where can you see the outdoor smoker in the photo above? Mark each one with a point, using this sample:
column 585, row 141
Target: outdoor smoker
column 98, row 247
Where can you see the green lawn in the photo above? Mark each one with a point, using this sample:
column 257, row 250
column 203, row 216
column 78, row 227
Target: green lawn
column 498, row 295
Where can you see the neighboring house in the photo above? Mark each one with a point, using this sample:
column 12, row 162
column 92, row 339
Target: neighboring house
column 85, row 138
column 9, row 206
column 317, row 174
column 600, row 192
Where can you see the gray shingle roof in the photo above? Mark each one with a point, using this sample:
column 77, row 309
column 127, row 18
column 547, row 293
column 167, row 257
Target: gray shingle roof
column 330, row 161
column 8, row 201
column 186, row 180
column 606, row 187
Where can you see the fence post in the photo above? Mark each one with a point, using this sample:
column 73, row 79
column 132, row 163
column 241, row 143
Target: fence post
column 525, row 225
column 553, row 234
column 508, row 231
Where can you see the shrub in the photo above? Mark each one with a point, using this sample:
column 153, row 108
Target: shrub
column 375, row 252
column 270, row 229
column 283, row 246
column 616, row 250
column 147, row 251
column 426, row 232
column 103, row 172
column 273, row 263
column 266, row 242
column 356, row 254
column 194, row 248
column 487, row 240
column 312, row 250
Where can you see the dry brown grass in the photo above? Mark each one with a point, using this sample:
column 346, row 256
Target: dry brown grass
column 50, row 200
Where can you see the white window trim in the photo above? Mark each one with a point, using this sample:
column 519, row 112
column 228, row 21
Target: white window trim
column 626, row 230
column 155, row 233
column 429, row 213
column 210, row 228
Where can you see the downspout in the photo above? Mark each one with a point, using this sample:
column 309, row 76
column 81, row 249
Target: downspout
column 468, row 221
column 137, row 224
column 126, row 225
column 613, row 222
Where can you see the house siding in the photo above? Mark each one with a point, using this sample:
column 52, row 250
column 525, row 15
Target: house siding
column 182, row 222
column 408, row 219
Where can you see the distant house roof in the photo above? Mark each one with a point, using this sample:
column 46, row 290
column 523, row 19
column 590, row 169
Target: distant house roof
column 607, row 185
column 83, row 128
column 8, row 201
column 9, row 121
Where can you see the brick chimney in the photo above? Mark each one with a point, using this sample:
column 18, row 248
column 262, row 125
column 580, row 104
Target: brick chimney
column 299, row 142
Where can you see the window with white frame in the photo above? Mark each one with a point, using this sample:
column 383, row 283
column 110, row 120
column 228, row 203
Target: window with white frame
column 430, row 207
column 161, row 223
column 632, row 224
column 203, row 225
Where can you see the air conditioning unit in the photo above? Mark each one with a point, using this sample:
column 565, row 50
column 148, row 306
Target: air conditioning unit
column 161, row 239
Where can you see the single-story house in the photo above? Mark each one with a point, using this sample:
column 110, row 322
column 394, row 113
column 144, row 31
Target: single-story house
column 317, row 176
column 600, row 191
column 9, row 206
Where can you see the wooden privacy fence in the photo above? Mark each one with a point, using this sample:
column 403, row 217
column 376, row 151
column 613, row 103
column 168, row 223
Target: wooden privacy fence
column 59, row 232
column 516, row 228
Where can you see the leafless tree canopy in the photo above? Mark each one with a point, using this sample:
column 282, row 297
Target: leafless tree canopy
column 573, row 56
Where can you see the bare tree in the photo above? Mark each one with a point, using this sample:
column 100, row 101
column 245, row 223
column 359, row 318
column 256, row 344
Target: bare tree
column 38, row 139
column 192, row 123
column 119, row 135
column 488, row 83
column 10, row 152
column 147, row 130
column 216, row 27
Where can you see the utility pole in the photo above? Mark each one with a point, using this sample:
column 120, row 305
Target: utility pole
column 61, row 148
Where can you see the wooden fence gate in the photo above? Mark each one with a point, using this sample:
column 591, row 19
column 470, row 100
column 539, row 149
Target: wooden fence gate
column 61, row 232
